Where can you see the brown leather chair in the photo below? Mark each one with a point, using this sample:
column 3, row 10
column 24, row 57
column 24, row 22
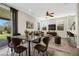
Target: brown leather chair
column 58, row 40
column 42, row 48
column 9, row 45
column 52, row 33
column 9, row 41
column 42, row 34
column 36, row 34
column 17, row 47
column 70, row 34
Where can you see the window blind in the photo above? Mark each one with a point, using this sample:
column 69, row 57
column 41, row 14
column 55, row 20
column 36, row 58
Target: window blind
column 4, row 12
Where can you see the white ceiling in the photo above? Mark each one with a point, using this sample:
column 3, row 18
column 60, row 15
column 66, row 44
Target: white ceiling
column 40, row 9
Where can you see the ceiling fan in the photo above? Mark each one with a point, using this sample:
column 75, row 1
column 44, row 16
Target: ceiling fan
column 49, row 14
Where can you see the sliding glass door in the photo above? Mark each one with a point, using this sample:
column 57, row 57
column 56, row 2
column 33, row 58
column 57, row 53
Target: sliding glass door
column 5, row 30
column 8, row 23
column 5, row 25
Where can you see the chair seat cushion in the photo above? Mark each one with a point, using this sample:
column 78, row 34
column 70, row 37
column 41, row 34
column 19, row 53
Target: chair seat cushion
column 40, row 47
column 20, row 49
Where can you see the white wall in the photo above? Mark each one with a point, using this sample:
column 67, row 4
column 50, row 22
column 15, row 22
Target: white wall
column 67, row 20
column 62, row 20
column 55, row 21
column 22, row 18
column 77, row 24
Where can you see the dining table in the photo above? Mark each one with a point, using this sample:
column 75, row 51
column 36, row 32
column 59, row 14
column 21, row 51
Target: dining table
column 29, row 39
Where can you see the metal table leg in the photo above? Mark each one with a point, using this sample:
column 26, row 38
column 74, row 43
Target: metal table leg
column 12, row 53
column 29, row 48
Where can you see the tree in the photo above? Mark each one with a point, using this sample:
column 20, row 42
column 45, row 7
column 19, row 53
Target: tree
column 1, row 29
column 7, row 27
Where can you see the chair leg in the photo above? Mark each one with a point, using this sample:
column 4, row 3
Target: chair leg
column 26, row 52
column 43, row 53
column 33, row 51
column 22, row 42
column 19, row 54
column 46, row 53
column 12, row 52
column 22, row 54
column 38, row 53
column 7, row 51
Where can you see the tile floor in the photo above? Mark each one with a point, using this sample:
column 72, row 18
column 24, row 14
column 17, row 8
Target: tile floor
column 53, row 50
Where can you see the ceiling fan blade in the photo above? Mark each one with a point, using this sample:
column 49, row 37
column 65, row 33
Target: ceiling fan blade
column 47, row 13
column 52, row 13
column 51, row 16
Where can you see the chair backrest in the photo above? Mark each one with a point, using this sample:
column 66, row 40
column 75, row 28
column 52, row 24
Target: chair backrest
column 30, row 33
column 8, row 39
column 16, row 41
column 52, row 33
column 42, row 34
column 46, row 41
column 57, row 38
column 17, row 34
column 39, row 40
column 10, row 44
column 36, row 34
column 70, row 34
